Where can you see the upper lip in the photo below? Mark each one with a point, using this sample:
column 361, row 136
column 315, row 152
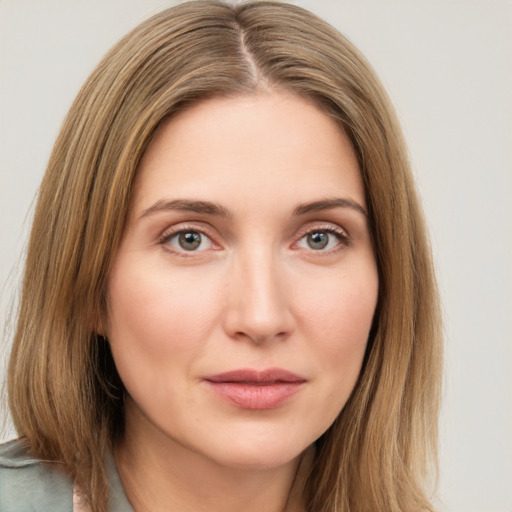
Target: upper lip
column 249, row 376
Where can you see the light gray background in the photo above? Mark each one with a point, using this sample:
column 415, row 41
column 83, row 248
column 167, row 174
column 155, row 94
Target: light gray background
column 448, row 68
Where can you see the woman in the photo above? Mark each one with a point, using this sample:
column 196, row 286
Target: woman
column 228, row 299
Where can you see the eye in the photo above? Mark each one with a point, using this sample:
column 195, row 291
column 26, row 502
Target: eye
column 188, row 240
column 322, row 240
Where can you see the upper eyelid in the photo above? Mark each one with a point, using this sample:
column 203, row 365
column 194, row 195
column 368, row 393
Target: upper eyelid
column 186, row 226
column 323, row 226
column 208, row 231
column 171, row 232
column 339, row 232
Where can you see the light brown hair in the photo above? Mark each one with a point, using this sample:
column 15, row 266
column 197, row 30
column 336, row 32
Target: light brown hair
column 65, row 396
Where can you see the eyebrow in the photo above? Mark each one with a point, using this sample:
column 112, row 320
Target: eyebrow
column 211, row 208
column 329, row 204
column 185, row 205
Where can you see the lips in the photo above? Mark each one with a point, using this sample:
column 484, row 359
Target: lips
column 254, row 389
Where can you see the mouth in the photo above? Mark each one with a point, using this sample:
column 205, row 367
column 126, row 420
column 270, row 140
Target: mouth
column 255, row 389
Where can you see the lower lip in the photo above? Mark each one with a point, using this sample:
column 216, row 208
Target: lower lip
column 256, row 396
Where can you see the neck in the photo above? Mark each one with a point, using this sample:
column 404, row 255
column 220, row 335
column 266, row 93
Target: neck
column 160, row 474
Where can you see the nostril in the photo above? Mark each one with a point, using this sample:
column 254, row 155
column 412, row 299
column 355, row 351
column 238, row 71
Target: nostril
column 261, row 338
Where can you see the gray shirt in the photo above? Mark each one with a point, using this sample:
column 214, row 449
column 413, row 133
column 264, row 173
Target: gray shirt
column 31, row 485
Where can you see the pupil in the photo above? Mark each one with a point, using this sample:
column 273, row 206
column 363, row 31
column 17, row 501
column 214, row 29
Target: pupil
column 190, row 240
column 318, row 240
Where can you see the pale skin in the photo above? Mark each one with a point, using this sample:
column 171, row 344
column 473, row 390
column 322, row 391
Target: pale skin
column 246, row 247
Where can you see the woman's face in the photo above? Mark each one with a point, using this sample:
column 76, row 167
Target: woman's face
column 243, row 291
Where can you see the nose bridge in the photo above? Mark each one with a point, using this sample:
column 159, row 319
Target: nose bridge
column 258, row 307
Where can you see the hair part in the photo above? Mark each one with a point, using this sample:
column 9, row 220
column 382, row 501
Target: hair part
column 65, row 396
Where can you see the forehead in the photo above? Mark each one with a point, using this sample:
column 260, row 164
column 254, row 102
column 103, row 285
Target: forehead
column 251, row 147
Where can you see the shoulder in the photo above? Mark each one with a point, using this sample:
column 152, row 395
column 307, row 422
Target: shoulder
column 28, row 484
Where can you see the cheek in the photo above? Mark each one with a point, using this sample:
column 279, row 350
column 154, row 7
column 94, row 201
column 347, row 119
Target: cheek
column 334, row 318
column 154, row 313
column 341, row 307
column 337, row 319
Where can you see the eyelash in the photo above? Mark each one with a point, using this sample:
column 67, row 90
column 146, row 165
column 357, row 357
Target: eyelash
column 167, row 236
column 340, row 234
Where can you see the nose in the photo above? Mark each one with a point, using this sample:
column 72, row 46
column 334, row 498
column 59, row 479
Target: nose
column 258, row 303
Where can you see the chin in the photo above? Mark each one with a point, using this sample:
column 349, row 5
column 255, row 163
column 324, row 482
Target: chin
column 259, row 453
column 260, row 460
